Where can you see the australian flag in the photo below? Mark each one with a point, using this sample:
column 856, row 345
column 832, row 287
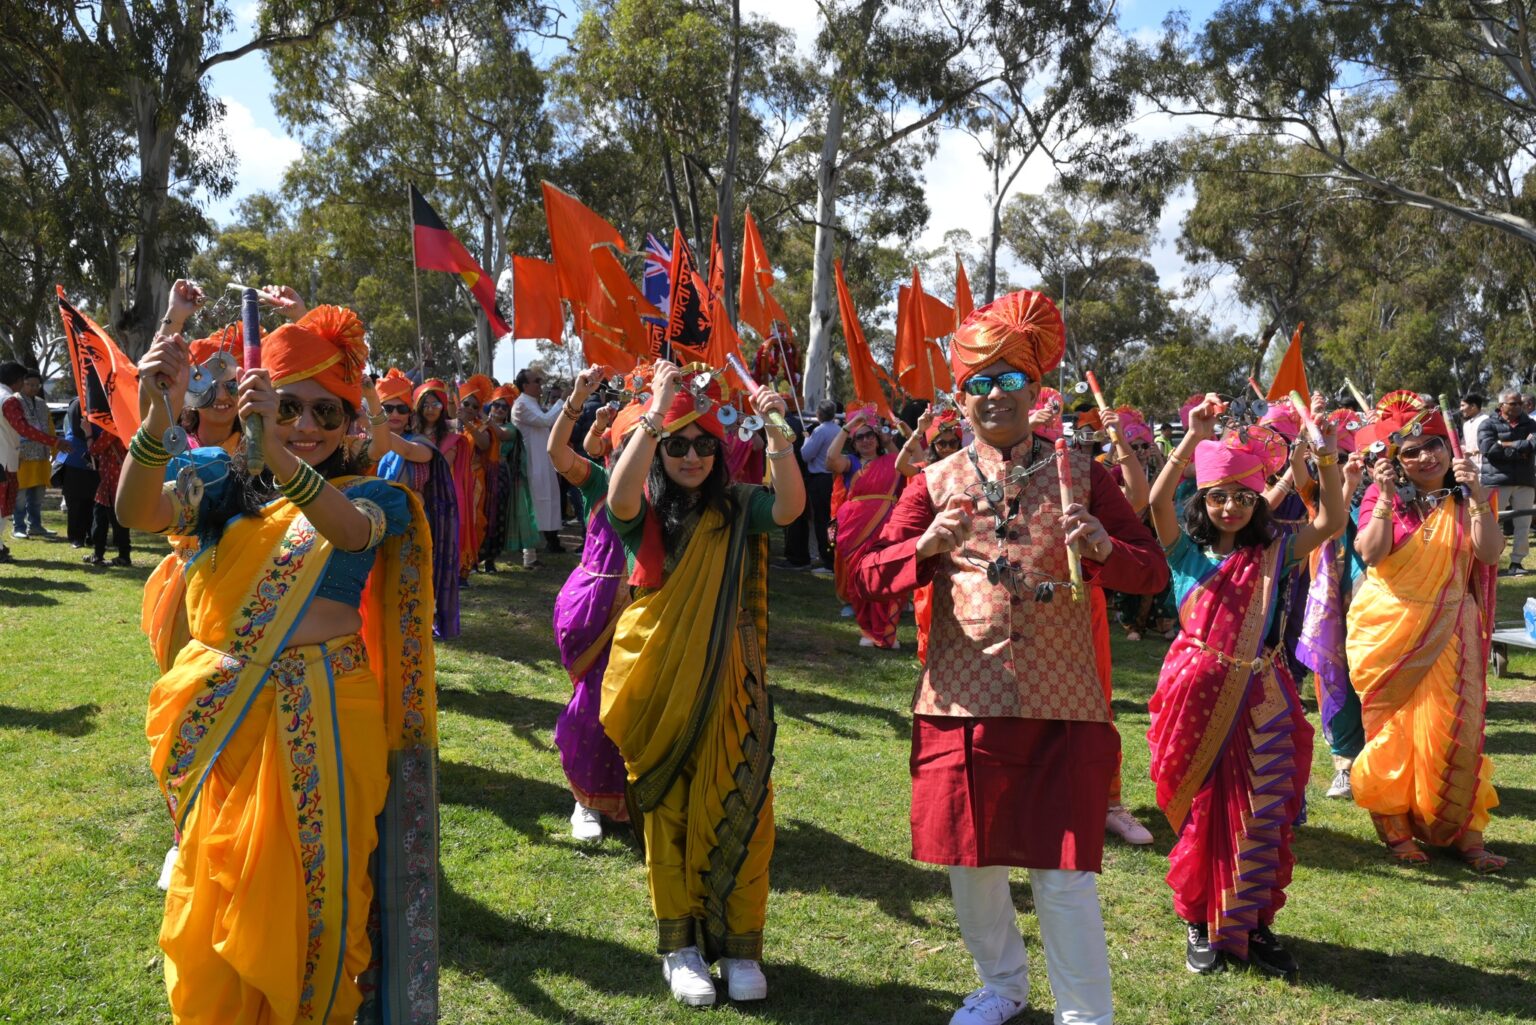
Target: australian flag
column 657, row 283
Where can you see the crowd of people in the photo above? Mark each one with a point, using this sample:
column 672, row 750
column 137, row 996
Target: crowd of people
column 324, row 520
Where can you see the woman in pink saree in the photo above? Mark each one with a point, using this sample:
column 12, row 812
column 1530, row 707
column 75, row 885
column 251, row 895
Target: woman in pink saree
column 868, row 483
column 1231, row 746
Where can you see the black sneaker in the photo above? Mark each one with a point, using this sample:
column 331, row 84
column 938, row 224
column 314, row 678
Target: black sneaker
column 1199, row 956
column 1267, row 955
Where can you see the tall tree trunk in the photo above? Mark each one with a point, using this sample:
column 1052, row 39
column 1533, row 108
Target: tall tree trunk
column 150, row 287
column 699, row 242
column 726, row 200
column 485, row 342
column 818, row 351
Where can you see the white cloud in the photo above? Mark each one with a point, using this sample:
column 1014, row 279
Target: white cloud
column 261, row 155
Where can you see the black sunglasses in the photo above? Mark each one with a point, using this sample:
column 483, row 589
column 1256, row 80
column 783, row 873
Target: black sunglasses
column 982, row 384
column 329, row 414
column 865, row 436
column 397, row 408
column 703, row 445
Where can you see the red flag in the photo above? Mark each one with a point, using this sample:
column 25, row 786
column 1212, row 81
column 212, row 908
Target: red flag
column 535, row 300
column 574, row 230
column 964, row 304
column 750, row 306
column 1292, row 374
column 599, row 352
column 438, row 249
column 865, row 384
column 107, row 380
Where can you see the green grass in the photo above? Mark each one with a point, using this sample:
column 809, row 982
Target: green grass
column 536, row 928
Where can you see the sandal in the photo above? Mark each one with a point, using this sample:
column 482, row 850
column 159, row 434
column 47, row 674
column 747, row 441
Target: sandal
column 1481, row 861
column 1406, row 852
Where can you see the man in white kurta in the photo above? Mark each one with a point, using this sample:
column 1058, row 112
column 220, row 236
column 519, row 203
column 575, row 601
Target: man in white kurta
column 529, row 417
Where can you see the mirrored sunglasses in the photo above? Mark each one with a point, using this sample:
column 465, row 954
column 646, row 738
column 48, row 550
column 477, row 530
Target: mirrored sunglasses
column 328, row 414
column 1243, row 499
column 982, row 384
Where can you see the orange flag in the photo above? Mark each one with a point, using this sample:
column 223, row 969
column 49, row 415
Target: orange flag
column 622, row 305
column 574, row 230
column 724, row 341
column 751, row 308
column 107, row 380
column 865, row 384
column 599, row 352
column 913, row 368
column 963, row 302
column 535, row 300
column 716, row 261
column 1292, row 375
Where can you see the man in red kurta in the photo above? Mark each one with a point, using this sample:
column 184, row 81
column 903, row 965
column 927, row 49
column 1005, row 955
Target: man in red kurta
column 1012, row 745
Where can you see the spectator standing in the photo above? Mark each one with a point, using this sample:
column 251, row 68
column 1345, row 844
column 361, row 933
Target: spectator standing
column 79, row 478
column 1472, row 417
column 1165, row 440
column 27, row 414
column 797, row 536
column 1509, row 469
column 109, row 453
column 10, row 448
column 818, row 481
column 534, row 421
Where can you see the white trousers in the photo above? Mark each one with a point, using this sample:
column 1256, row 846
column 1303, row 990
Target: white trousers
column 1071, row 927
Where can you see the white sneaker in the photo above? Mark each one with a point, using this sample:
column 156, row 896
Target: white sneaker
column 866, row 641
column 688, row 975
column 167, row 866
column 586, row 824
column 822, row 571
column 743, row 978
column 986, row 1007
column 1340, row 787
column 530, row 558
column 1123, row 824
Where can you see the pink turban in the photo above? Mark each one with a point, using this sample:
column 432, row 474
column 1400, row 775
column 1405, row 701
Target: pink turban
column 1228, row 461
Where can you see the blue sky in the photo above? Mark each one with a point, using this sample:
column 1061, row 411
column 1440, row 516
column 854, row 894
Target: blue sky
column 956, row 179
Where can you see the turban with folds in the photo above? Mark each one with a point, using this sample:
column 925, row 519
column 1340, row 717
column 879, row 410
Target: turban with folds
column 1229, row 461
column 479, row 386
column 1399, row 412
column 230, row 339
column 325, row 345
column 1023, row 329
column 394, row 385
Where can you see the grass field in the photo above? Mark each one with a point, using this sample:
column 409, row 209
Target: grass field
column 536, row 928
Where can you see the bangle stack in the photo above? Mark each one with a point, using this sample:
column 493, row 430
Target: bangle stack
column 565, row 407
column 1479, row 508
column 378, row 420
column 1327, row 459
column 146, row 450
column 648, row 427
column 780, row 453
column 1381, row 512
column 304, row 486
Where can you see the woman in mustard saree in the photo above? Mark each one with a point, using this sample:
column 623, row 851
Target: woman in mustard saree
column 1419, row 630
column 684, row 697
column 294, row 734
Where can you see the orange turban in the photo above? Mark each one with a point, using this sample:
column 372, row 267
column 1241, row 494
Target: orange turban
column 507, row 393
column 1023, row 329
column 625, row 421
column 230, row 339
column 479, row 386
column 394, row 385
column 325, row 345
column 432, row 384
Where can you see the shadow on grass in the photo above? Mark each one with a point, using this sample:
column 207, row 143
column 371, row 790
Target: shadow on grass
column 529, row 717
column 808, row 706
column 1511, row 742
column 66, row 722
column 1514, row 802
column 807, row 858
column 1411, row 977
column 517, row 800
column 26, row 599
column 1321, row 848
column 513, row 954
column 1510, row 712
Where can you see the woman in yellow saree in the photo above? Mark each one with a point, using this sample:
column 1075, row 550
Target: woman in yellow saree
column 684, row 696
column 294, row 734
column 1419, row 629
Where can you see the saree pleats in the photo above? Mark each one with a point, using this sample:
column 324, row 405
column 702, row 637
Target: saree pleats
column 276, row 763
column 694, row 722
column 1418, row 650
column 870, row 497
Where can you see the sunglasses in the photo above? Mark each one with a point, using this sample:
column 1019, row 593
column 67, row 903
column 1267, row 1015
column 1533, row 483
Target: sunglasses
column 329, row 414
column 946, row 442
column 982, row 384
column 865, row 436
column 703, row 445
column 1243, row 499
column 1424, row 451
column 397, row 409
column 431, row 404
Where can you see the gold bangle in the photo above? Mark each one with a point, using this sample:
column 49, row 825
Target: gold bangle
column 1381, row 512
column 1178, row 460
column 565, row 407
column 1479, row 508
column 1327, row 459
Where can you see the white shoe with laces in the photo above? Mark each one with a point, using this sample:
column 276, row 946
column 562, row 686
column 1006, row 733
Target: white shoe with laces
column 688, row 976
column 167, row 867
column 743, row 978
column 586, row 824
column 1123, row 824
column 985, row 1006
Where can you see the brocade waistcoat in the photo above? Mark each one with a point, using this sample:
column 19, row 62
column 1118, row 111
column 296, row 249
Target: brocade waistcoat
column 992, row 652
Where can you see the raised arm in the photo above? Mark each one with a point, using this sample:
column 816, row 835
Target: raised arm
column 1202, row 425
column 559, row 444
column 835, row 461
column 788, row 484
column 595, row 444
column 141, row 502
column 626, row 488
column 912, row 451
column 1332, row 512
column 1133, row 474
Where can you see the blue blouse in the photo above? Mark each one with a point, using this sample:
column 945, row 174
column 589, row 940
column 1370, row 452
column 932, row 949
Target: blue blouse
column 1190, row 564
column 347, row 572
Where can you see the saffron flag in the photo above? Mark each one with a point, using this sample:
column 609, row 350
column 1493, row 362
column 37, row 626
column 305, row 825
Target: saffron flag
column 535, row 300
column 914, row 370
column 860, row 362
column 438, row 249
column 716, row 262
column 107, row 380
column 623, row 307
column 756, row 306
column 597, row 351
column 574, row 231
column 723, row 342
column 1292, row 374
column 688, row 317
column 964, row 304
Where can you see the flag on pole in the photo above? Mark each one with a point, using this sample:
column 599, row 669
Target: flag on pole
column 106, row 380
column 1292, row 374
column 756, row 306
column 437, row 248
column 623, row 307
column 716, row 262
column 964, row 304
column 913, row 369
column 656, row 284
column 536, row 300
column 860, row 361
column 574, row 231
column 688, row 321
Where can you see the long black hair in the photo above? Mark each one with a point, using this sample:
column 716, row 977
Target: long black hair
column 675, row 504
column 1259, row 530
column 419, row 422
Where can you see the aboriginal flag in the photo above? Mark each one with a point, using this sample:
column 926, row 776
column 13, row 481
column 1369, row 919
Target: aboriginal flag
column 106, row 380
column 438, row 249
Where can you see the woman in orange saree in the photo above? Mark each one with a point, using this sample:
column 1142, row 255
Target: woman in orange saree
column 1231, row 746
column 1419, row 628
column 864, row 492
column 294, row 734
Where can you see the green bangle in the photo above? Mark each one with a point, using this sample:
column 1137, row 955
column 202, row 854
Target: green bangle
column 304, row 486
column 146, row 450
